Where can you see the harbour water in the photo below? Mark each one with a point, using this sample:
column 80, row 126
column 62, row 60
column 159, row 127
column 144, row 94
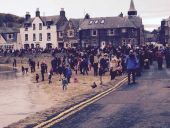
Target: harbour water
column 19, row 97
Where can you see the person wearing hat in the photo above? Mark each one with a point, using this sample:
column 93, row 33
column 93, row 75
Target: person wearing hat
column 131, row 64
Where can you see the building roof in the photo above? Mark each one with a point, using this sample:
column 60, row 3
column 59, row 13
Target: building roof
column 107, row 22
column 76, row 23
column 55, row 18
column 44, row 19
column 9, row 30
column 132, row 6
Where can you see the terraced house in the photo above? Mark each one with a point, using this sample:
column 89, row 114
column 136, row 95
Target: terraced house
column 10, row 38
column 103, row 31
column 41, row 31
column 68, row 34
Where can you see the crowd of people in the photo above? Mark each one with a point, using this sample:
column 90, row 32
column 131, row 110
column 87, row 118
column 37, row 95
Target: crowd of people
column 116, row 61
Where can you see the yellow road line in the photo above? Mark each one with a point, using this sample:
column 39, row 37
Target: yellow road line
column 78, row 107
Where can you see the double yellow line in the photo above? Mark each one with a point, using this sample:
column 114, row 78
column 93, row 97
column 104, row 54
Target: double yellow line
column 78, row 107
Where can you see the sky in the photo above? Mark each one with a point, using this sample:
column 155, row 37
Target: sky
column 151, row 11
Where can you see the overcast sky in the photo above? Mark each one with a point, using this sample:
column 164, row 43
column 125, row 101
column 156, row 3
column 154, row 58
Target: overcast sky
column 152, row 11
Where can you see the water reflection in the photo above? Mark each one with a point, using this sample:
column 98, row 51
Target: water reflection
column 7, row 73
column 19, row 97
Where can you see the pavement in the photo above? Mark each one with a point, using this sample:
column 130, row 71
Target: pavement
column 143, row 105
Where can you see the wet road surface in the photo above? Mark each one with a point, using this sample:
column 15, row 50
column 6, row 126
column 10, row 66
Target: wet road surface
column 144, row 105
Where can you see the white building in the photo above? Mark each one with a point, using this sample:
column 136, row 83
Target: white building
column 41, row 31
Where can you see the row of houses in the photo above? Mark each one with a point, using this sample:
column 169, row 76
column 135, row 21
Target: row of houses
column 58, row 31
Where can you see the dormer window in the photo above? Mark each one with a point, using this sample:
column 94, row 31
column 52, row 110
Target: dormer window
column 26, row 28
column 10, row 36
column 94, row 32
column 34, row 27
column 91, row 22
column 124, row 30
column 96, row 22
column 111, row 32
column 102, row 21
column 48, row 26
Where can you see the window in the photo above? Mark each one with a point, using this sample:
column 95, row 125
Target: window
column 48, row 36
column 91, row 22
column 102, row 21
column 94, row 32
column 111, row 32
column 34, row 37
column 40, row 36
column 96, row 22
column 70, row 33
column 40, row 26
column 26, row 37
column 34, row 27
column 10, row 36
column 60, row 34
column 26, row 28
column 124, row 30
column 48, row 26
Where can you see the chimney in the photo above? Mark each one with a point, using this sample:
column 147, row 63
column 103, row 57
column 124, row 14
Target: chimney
column 27, row 16
column 121, row 15
column 62, row 12
column 87, row 16
column 37, row 14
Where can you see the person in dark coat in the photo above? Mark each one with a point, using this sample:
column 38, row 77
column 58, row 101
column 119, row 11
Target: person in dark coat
column 101, row 71
column 167, row 56
column 68, row 73
column 131, row 64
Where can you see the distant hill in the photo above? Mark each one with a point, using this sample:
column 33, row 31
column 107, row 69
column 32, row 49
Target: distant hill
column 10, row 20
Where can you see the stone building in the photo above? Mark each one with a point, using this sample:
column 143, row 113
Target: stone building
column 41, row 31
column 115, row 31
column 68, row 34
column 164, row 32
column 10, row 38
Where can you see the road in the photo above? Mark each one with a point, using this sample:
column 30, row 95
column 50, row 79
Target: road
column 144, row 105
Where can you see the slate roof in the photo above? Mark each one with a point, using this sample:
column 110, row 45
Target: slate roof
column 54, row 18
column 108, row 22
column 9, row 30
column 76, row 24
column 62, row 27
column 132, row 6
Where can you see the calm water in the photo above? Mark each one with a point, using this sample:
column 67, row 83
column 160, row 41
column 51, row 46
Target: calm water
column 19, row 97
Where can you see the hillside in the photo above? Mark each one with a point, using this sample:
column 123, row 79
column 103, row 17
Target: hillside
column 9, row 20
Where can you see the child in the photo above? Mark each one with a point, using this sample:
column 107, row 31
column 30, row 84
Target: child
column 64, row 83
column 37, row 78
column 23, row 70
column 49, row 78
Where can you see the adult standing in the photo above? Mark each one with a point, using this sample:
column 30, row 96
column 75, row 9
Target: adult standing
column 159, row 56
column 101, row 72
column 68, row 73
column 42, row 70
column 167, row 56
column 131, row 63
